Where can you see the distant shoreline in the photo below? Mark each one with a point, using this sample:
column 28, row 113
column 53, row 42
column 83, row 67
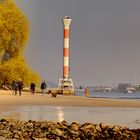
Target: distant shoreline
column 122, row 98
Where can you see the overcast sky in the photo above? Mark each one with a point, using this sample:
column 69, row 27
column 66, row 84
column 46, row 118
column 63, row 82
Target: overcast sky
column 104, row 40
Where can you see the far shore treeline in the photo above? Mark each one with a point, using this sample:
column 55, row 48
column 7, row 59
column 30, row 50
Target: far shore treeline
column 14, row 33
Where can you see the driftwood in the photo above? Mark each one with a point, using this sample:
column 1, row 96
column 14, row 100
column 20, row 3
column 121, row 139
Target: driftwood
column 6, row 87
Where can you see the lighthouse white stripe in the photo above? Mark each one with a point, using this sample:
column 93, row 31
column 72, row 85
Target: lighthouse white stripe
column 66, row 26
column 66, row 42
column 66, row 61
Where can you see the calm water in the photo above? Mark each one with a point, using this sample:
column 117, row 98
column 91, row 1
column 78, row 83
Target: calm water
column 115, row 95
column 129, row 117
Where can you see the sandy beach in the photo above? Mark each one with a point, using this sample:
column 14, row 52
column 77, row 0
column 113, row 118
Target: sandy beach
column 7, row 99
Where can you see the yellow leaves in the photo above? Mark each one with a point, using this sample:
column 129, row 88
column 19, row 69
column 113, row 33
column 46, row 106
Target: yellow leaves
column 14, row 32
column 13, row 24
column 17, row 69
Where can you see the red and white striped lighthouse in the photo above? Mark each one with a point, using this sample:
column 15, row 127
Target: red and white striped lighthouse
column 66, row 23
column 66, row 84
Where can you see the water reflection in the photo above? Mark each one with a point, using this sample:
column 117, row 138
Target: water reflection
column 60, row 114
column 115, row 116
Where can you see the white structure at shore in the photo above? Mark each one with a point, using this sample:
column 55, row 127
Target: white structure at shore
column 66, row 83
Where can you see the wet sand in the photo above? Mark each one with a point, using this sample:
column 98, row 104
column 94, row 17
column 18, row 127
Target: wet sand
column 38, row 107
column 7, row 99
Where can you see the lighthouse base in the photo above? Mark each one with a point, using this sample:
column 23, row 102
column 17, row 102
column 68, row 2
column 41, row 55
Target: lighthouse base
column 66, row 86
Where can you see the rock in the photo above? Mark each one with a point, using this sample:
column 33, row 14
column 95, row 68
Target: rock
column 74, row 133
column 57, row 132
column 4, row 132
column 16, row 136
column 90, row 126
column 74, row 127
column 3, row 120
column 65, row 123
column 116, row 129
column 98, row 128
column 104, row 126
column 2, row 138
column 25, row 135
column 42, row 135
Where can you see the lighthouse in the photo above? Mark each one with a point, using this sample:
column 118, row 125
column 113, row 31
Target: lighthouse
column 66, row 83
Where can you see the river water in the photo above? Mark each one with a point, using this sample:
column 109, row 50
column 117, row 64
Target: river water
column 115, row 95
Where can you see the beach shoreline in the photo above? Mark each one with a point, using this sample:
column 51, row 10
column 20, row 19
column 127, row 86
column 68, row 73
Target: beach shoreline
column 8, row 99
column 39, row 107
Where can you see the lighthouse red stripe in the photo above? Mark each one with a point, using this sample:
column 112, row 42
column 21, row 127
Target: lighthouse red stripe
column 65, row 71
column 66, row 52
column 66, row 33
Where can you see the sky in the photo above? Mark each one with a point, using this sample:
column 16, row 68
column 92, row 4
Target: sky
column 104, row 40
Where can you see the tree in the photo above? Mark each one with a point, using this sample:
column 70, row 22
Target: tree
column 17, row 69
column 14, row 32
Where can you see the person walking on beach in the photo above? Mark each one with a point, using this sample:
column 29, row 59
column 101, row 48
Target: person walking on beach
column 43, row 87
column 14, row 87
column 32, row 87
column 20, row 86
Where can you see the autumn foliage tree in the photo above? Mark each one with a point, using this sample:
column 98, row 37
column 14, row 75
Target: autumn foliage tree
column 14, row 32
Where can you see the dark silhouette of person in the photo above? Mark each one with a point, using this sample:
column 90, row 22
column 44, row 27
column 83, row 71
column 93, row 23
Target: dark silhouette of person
column 20, row 86
column 43, row 87
column 14, row 87
column 32, row 87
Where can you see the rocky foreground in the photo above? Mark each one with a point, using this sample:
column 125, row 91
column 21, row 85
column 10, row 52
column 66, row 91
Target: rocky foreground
column 46, row 130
